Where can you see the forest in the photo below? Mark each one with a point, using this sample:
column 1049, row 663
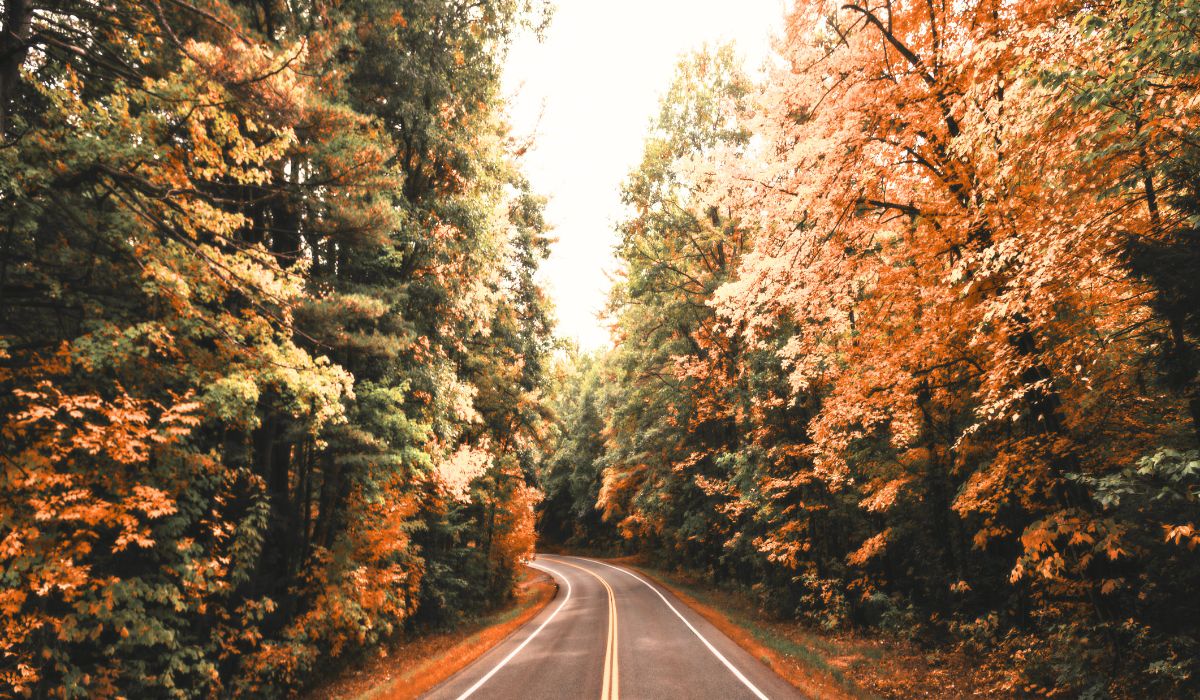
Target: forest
column 905, row 338
column 270, row 344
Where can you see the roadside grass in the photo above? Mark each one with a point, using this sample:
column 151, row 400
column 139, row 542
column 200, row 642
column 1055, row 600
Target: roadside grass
column 410, row 667
column 827, row 665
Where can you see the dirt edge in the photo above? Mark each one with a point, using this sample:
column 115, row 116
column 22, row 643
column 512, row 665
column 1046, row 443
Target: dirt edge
column 408, row 669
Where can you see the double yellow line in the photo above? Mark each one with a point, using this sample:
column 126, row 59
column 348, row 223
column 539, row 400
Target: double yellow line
column 610, row 689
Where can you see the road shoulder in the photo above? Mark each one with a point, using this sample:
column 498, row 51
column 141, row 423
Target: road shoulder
column 834, row 666
column 406, row 669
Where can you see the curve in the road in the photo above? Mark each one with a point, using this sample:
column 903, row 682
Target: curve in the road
column 720, row 657
column 612, row 683
column 545, row 661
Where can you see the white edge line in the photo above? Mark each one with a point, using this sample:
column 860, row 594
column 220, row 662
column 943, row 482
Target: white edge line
column 521, row 646
column 745, row 681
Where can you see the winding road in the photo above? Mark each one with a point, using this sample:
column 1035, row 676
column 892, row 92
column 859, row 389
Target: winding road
column 611, row 633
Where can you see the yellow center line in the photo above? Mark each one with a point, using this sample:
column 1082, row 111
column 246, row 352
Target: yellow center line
column 609, row 691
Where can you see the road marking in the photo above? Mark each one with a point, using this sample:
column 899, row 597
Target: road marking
column 745, row 681
column 611, row 687
column 514, row 652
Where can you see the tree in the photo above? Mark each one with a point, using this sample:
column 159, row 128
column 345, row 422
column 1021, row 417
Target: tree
column 943, row 368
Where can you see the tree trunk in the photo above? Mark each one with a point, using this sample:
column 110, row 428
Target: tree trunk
column 14, row 45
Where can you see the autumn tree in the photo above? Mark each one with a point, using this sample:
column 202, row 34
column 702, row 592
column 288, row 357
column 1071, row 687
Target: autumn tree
column 945, row 380
column 670, row 473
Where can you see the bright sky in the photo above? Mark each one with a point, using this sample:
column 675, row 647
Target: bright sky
column 587, row 93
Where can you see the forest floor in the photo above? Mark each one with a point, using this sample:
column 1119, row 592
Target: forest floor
column 832, row 665
column 408, row 667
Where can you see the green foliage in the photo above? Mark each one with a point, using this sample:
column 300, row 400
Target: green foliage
column 267, row 268
column 571, row 475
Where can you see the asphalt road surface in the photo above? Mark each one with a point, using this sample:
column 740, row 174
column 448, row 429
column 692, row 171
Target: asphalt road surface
column 611, row 633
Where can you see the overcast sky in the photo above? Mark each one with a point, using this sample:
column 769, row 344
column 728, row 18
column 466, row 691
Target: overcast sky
column 587, row 93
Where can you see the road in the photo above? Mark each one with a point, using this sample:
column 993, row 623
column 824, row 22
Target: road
column 611, row 633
